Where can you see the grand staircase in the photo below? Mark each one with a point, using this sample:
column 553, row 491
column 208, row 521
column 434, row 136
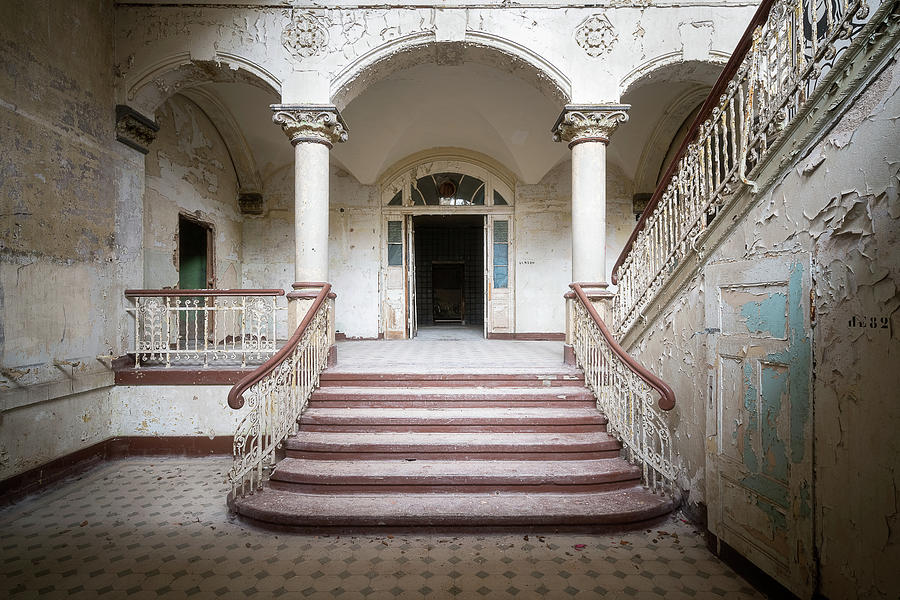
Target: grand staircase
column 453, row 450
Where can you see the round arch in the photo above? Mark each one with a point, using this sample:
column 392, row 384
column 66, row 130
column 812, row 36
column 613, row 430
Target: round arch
column 671, row 67
column 480, row 48
column 147, row 90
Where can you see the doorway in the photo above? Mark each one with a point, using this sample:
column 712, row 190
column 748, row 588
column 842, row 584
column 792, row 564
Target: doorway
column 449, row 274
column 195, row 272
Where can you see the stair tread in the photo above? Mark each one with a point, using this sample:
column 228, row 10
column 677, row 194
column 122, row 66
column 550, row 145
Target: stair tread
column 452, row 414
column 472, row 390
column 281, row 507
column 456, row 471
column 449, row 441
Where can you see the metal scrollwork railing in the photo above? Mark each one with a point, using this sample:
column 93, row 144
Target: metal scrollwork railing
column 202, row 327
column 779, row 66
column 277, row 393
column 626, row 394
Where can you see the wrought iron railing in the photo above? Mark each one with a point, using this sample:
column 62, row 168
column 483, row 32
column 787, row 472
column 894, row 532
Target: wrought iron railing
column 626, row 393
column 200, row 327
column 781, row 64
column 277, row 393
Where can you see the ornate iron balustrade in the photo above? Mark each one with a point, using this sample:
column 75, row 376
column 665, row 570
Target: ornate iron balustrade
column 625, row 393
column 780, row 65
column 277, row 393
column 199, row 327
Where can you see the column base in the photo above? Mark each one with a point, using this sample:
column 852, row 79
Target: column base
column 332, row 356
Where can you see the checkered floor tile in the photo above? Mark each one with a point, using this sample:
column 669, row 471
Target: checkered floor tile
column 158, row 528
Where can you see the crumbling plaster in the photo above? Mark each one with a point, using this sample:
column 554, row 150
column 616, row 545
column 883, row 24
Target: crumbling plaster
column 838, row 203
column 70, row 230
column 157, row 43
column 189, row 171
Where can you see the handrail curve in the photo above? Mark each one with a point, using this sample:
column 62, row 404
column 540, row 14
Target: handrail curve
column 236, row 394
column 666, row 395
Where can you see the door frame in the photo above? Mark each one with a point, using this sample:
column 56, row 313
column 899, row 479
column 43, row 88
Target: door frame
column 396, row 183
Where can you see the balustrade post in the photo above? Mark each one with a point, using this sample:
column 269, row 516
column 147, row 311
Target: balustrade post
column 313, row 130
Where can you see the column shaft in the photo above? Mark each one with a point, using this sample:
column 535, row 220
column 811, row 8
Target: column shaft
column 589, row 212
column 311, row 211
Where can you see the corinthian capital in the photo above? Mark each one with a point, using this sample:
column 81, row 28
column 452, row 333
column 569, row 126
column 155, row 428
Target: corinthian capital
column 307, row 123
column 589, row 123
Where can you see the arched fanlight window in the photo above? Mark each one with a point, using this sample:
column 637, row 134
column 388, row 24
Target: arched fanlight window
column 447, row 189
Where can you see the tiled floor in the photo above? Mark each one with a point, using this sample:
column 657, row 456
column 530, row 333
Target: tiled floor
column 158, row 528
column 438, row 355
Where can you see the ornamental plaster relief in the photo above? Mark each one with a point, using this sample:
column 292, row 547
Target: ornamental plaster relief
column 341, row 44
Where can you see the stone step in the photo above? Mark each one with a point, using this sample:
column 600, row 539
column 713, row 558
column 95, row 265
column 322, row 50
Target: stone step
column 472, row 395
column 523, row 378
column 452, row 415
column 470, row 445
column 451, row 476
column 630, row 506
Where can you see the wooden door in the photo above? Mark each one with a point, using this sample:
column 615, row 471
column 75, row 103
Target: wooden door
column 412, row 325
column 759, row 417
column 499, row 267
column 393, row 310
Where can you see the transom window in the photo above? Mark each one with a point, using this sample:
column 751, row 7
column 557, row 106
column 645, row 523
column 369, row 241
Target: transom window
column 447, row 189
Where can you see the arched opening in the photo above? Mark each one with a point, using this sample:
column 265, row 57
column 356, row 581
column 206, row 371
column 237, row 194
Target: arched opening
column 663, row 101
column 447, row 268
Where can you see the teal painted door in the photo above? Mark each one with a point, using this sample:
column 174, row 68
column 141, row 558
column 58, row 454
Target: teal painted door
column 759, row 417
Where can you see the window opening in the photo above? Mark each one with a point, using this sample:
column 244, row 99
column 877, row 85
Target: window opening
column 395, row 243
column 447, row 189
column 501, row 254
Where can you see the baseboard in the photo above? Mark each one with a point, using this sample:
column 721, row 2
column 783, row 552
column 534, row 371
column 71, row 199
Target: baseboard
column 343, row 337
column 533, row 337
column 34, row 480
column 741, row 565
column 180, row 376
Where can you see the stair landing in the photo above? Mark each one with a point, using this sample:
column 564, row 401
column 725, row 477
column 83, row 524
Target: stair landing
column 415, row 445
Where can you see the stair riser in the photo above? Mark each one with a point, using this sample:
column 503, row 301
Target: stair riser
column 466, row 455
column 494, row 383
column 499, row 399
column 457, row 488
column 369, row 403
column 426, row 380
column 390, row 427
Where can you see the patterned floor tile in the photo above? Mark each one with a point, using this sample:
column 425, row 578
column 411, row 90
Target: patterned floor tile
column 158, row 528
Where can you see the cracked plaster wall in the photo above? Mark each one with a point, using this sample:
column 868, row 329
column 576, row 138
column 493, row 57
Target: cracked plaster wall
column 70, row 229
column 354, row 251
column 642, row 37
column 189, row 170
column 839, row 203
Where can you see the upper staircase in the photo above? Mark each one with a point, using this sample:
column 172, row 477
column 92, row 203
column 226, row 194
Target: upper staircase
column 525, row 447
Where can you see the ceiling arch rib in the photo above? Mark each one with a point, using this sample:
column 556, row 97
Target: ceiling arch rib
column 249, row 180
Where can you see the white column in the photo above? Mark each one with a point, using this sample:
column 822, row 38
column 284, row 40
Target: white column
column 587, row 130
column 313, row 130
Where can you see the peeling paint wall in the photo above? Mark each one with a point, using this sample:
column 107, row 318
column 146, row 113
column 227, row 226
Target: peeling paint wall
column 189, row 171
column 70, row 229
column 837, row 209
column 196, row 410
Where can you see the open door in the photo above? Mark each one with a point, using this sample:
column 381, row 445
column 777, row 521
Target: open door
column 499, row 270
column 394, row 279
column 412, row 327
column 759, row 416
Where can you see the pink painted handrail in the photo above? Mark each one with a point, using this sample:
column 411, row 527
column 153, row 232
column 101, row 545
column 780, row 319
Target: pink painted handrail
column 666, row 395
column 236, row 395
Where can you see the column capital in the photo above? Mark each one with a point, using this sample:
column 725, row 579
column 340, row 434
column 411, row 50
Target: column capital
column 579, row 123
column 311, row 123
